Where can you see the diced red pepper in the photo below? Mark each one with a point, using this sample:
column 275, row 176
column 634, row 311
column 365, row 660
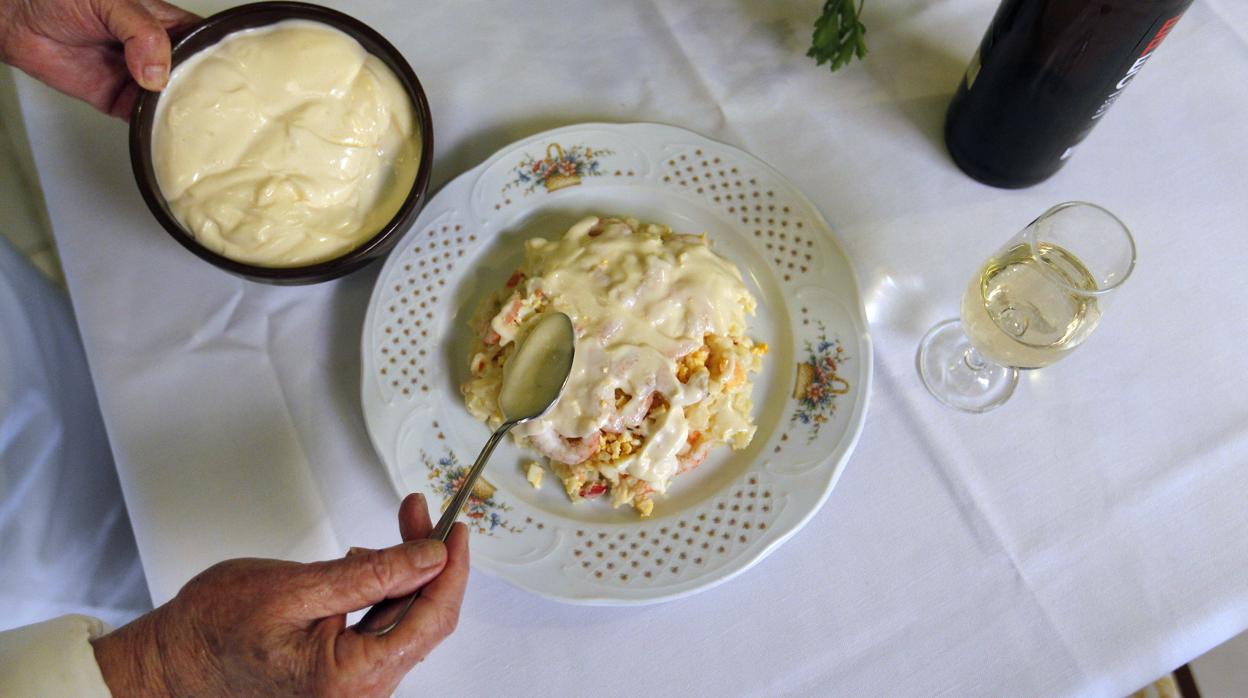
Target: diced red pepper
column 592, row 489
column 516, row 278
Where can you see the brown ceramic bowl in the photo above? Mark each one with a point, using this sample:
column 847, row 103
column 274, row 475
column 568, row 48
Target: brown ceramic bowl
column 217, row 27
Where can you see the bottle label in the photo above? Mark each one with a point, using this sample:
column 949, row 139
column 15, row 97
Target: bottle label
column 1154, row 41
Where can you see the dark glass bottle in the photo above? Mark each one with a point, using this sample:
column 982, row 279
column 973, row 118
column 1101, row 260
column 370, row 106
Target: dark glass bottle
column 1044, row 75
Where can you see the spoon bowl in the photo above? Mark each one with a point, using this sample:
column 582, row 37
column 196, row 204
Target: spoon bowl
column 535, row 375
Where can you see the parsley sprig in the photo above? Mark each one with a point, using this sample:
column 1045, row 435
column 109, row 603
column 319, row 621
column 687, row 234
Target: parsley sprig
column 839, row 36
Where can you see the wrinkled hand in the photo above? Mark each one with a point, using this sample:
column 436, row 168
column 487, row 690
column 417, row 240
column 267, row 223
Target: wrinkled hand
column 100, row 51
column 268, row 627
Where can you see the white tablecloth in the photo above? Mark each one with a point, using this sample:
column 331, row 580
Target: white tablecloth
column 1083, row 539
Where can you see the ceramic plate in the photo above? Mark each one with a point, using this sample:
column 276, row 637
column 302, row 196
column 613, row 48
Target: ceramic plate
column 715, row 522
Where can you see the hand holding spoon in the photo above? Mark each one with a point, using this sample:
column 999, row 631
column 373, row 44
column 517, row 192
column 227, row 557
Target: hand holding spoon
column 532, row 381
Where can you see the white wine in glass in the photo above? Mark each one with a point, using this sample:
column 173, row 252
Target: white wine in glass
column 1031, row 303
column 1021, row 310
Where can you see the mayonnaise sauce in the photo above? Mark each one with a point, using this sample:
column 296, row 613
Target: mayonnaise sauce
column 284, row 145
column 639, row 299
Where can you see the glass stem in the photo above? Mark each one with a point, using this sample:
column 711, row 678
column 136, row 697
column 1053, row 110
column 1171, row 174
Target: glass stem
column 974, row 361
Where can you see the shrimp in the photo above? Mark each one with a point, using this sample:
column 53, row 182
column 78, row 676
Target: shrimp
column 565, row 450
column 513, row 310
column 696, row 452
column 630, row 414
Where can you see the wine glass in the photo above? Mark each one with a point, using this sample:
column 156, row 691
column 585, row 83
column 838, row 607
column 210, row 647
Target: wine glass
column 1037, row 298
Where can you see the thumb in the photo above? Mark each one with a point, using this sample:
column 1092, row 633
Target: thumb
column 362, row 579
column 145, row 40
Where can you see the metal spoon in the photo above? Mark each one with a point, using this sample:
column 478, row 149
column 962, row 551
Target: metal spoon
column 532, row 381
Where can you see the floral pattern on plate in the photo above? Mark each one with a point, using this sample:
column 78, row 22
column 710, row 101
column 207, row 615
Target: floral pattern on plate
column 559, row 169
column 483, row 512
column 818, row 384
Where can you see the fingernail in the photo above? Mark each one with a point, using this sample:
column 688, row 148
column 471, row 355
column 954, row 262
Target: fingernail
column 154, row 77
column 427, row 553
column 353, row 550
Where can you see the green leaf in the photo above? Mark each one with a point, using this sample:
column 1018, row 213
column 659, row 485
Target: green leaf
column 839, row 36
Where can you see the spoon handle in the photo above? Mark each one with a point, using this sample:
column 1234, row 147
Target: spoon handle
column 443, row 529
column 386, row 614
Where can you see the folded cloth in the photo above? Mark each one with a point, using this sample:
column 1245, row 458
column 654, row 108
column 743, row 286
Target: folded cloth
column 52, row 658
column 65, row 539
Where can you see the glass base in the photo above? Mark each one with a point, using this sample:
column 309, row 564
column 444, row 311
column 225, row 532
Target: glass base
column 957, row 375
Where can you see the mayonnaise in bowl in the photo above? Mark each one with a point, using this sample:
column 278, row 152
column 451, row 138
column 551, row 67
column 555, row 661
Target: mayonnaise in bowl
column 284, row 145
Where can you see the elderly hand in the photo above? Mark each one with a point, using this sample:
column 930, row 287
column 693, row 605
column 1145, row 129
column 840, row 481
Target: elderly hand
column 267, row 627
column 100, row 51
